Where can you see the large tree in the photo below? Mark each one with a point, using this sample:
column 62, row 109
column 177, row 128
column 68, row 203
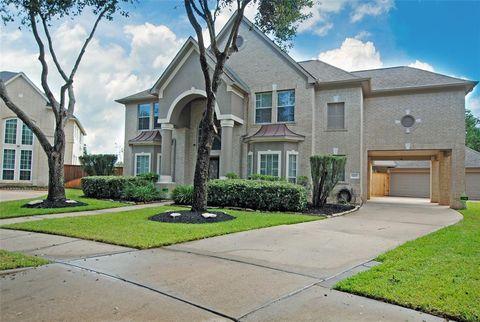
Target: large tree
column 278, row 18
column 472, row 127
column 37, row 17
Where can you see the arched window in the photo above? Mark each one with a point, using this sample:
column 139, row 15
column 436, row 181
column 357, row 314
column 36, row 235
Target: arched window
column 217, row 140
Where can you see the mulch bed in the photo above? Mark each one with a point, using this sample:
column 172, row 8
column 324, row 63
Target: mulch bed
column 58, row 204
column 328, row 209
column 189, row 217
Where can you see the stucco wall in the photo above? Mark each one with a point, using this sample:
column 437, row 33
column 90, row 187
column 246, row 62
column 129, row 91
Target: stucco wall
column 34, row 105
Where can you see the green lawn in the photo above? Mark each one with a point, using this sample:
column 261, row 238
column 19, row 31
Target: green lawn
column 11, row 260
column 438, row 273
column 133, row 228
column 10, row 209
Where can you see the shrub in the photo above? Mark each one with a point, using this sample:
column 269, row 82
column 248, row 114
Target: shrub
column 98, row 164
column 304, row 182
column 232, row 175
column 264, row 177
column 183, row 194
column 141, row 191
column 149, row 176
column 326, row 171
column 253, row 194
column 106, row 187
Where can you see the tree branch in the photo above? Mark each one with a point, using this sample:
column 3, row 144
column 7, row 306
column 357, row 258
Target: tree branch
column 43, row 62
column 47, row 147
column 52, row 51
column 87, row 41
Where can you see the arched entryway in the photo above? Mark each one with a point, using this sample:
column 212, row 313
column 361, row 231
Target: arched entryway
column 180, row 132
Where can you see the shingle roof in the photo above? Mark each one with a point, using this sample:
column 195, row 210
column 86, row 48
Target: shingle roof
column 147, row 137
column 406, row 77
column 6, row 75
column 275, row 131
column 472, row 158
column 143, row 95
column 324, row 72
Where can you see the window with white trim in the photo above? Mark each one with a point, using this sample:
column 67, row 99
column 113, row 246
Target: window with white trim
column 156, row 111
column 269, row 163
column 263, row 107
column 292, row 166
column 159, row 163
column 142, row 163
column 8, row 168
column 10, row 136
column 25, row 165
column 249, row 163
column 336, row 116
column 143, row 114
column 286, row 106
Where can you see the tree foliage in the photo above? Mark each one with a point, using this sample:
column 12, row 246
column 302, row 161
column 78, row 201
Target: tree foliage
column 99, row 164
column 278, row 18
column 472, row 128
column 326, row 172
column 37, row 16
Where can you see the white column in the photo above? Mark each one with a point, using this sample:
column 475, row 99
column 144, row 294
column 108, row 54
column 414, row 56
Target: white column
column 166, row 165
column 226, row 153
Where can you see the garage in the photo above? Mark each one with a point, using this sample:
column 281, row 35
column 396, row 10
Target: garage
column 472, row 182
column 410, row 184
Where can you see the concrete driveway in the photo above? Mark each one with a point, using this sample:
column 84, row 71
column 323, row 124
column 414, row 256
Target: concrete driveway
column 6, row 194
column 282, row 273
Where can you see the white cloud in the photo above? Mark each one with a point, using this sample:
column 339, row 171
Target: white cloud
column 107, row 72
column 353, row 54
column 371, row 8
column 362, row 35
column 421, row 65
column 319, row 22
column 473, row 103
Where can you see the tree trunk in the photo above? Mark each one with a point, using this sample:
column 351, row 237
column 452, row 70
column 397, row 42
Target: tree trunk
column 56, row 189
column 56, row 160
column 200, row 194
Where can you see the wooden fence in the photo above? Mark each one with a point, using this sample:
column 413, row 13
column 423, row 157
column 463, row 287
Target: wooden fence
column 74, row 173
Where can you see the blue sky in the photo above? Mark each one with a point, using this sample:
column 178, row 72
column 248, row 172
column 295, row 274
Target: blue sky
column 128, row 54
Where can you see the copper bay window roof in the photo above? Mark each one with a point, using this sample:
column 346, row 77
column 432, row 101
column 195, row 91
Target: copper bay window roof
column 274, row 132
column 147, row 138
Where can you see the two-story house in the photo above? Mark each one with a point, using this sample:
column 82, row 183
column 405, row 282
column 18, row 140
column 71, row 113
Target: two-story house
column 273, row 113
column 23, row 161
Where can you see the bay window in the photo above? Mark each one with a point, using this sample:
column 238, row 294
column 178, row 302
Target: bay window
column 269, row 163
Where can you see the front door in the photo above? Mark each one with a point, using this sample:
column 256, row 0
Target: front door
column 213, row 169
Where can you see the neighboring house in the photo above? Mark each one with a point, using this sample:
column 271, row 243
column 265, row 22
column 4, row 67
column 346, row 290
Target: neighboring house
column 412, row 178
column 23, row 161
column 273, row 113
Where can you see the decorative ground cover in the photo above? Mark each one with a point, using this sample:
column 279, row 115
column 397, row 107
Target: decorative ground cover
column 134, row 229
column 438, row 273
column 15, row 208
column 11, row 260
column 192, row 217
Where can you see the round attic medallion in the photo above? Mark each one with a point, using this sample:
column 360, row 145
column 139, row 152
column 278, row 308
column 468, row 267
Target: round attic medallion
column 407, row 121
column 239, row 42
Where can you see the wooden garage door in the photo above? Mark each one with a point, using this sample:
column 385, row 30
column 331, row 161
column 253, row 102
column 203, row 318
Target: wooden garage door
column 472, row 181
column 410, row 184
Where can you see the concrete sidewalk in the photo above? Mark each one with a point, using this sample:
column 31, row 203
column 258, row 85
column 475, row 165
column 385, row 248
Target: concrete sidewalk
column 11, row 194
column 274, row 274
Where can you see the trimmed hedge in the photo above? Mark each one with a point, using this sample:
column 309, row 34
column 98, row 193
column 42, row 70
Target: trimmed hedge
column 253, row 194
column 106, row 187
